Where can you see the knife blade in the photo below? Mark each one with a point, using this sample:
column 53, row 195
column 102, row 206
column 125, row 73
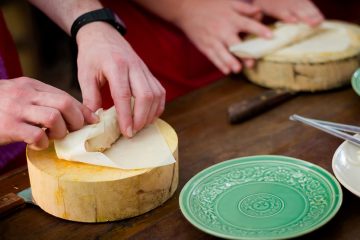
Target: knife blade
column 249, row 108
column 12, row 201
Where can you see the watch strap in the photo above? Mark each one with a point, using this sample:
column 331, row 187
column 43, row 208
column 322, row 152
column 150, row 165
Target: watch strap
column 104, row 15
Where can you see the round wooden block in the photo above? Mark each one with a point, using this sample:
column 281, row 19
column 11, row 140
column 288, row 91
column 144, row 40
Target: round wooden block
column 302, row 76
column 323, row 61
column 87, row 193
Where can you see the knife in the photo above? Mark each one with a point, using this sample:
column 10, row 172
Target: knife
column 13, row 201
column 246, row 109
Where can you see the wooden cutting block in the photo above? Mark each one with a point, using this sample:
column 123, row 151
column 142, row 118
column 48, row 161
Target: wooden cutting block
column 89, row 193
column 324, row 60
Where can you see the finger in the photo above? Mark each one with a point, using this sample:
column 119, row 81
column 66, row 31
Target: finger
column 309, row 14
column 245, row 8
column 232, row 39
column 258, row 17
column 156, row 102
column 161, row 106
column 73, row 111
column 89, row 116
column 69, row 107
column 160, row 94
column 250, row 26
column 16, row 130
column 249, row 63
column 286, row 16
column 34, row 136
column 216, row 60
column 144, row 97
column 118, row 78
column 228, row 59
column 46, row 117
column 90, row 90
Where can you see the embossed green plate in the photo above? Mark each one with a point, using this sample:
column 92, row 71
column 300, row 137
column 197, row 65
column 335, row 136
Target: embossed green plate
column 261, row 197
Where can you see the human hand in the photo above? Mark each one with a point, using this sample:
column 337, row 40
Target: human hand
column 105, row 56
column 27, row 106
column 291, row 11
column 213, row 26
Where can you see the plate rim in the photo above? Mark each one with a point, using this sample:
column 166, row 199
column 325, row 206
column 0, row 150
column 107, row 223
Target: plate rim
column 335, row 210
column 354, row 81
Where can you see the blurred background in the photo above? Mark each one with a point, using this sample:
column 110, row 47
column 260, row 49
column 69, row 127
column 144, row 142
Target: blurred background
column 45, row 50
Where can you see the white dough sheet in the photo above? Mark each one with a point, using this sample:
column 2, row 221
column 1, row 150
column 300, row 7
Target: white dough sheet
column 283, row 35
column 147, row 149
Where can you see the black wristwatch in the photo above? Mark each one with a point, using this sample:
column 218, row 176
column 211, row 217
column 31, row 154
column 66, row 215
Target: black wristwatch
column 104, row 15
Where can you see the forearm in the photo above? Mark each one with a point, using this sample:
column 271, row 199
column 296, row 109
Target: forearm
column 64, row 12
column 170, row 10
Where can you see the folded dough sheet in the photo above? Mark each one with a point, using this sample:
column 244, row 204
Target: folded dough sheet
column 147, row 149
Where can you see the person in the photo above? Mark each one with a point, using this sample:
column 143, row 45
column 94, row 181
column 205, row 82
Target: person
column 32, row 112
column 185, row 43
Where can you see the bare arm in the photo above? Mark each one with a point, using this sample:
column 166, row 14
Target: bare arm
column 64, row 12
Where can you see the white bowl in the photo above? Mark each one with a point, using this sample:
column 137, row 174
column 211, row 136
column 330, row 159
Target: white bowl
column 346, row 166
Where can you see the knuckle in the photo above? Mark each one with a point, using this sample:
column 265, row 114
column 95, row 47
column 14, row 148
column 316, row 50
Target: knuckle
column 158, row 93
column 124, row 94
column 147, row 96
column 52, row 118
column 36, row 136
column 66, row 103
column 18, row 91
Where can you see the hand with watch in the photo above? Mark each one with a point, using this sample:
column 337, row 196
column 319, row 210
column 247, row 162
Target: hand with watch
column 105, row 56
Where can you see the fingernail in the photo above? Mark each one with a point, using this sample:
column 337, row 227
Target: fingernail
column 236, row 68
column 129, row 132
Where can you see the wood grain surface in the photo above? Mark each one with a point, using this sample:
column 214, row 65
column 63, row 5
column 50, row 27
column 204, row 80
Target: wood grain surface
column 206, row 138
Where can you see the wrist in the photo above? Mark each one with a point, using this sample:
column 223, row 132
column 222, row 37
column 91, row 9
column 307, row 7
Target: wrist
column 92, row 29
column 82, row 8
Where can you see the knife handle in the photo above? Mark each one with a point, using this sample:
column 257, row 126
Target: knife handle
column 244, row 110
column 9, row 202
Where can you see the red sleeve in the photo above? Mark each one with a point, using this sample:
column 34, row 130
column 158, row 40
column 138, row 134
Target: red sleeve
column 8, row 51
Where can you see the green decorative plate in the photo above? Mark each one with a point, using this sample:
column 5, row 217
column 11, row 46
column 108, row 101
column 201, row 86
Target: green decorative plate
column 355, row 81
column 261, row 197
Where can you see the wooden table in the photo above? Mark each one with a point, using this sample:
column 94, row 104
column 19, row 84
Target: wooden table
column 206, row 138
